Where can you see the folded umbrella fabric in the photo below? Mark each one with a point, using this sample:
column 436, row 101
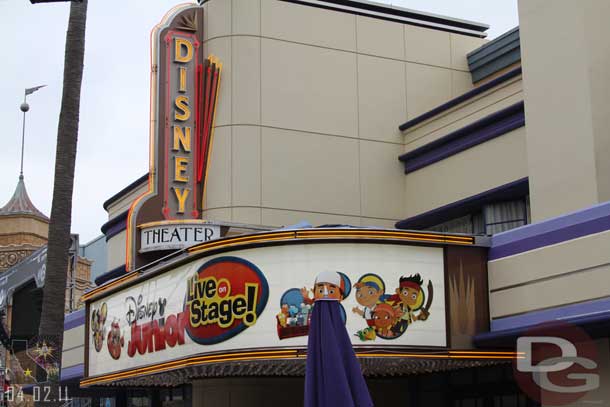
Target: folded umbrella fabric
column 333, row 377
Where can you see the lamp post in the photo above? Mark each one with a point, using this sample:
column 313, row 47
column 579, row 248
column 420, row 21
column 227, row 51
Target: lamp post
column 24, row 108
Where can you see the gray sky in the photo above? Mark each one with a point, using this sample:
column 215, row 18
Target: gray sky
column 113, row 137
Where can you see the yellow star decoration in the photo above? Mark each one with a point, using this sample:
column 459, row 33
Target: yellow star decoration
column 27, row 373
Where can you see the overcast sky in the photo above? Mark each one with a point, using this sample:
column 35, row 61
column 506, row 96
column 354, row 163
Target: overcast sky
column 113, row 137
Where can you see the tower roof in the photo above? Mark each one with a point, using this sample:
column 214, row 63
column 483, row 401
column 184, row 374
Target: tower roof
column 20, row 203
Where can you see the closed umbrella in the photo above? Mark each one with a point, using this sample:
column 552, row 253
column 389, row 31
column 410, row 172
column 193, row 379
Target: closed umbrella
column 333, row 377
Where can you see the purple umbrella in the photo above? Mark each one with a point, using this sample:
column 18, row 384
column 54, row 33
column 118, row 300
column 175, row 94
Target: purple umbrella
column 333, row 377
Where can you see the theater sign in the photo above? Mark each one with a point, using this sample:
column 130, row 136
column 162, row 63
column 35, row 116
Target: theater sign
column 250, row 298
column 184, row 92
column 261, row 298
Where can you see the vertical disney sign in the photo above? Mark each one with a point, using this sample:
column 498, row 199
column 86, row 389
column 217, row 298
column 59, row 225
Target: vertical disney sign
column 184, row 89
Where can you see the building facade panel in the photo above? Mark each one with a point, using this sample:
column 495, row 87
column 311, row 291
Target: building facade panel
column 565, row 289
column 246, row 80
column 116, row 250
column 470, row 172
column 246, row 166
column 246, row 17
column 325, row 164
column 464, row 114
column 461, row 45
column 309, row 88
column 382, row 187
column 550, row 261
column 382, row 98
column 428, row 47
column 292, row 22
column 218, row 181
column 427, row 87
column 380, row 38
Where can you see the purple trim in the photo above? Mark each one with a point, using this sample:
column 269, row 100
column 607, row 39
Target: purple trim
column 588, row 308
column 115, row 226
column 460, row 99
column 110, row 275
column 488, row 128
column 596, row 325
column 73, row 372
column 585, row 222
column 512, row 190
column 74, row 319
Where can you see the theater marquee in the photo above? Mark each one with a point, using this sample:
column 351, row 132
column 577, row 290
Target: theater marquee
column 393, row 296
column 184, row 91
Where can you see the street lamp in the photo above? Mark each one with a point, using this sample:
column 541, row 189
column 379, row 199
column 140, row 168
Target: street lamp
column 24, row 108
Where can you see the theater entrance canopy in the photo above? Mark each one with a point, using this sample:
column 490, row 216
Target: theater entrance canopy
column 240, row 306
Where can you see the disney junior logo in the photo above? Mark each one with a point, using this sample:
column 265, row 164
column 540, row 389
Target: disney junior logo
column 557, row 363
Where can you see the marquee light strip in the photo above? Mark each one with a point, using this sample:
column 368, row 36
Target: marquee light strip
column 324, row 234
column 336, row 234
column 287, row 354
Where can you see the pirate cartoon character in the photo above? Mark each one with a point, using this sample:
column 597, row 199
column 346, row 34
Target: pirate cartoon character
column 369, row 290
column 409, row 298
column 384, row 318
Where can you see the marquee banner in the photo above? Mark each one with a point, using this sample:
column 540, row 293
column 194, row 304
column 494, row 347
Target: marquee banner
column 391, row 296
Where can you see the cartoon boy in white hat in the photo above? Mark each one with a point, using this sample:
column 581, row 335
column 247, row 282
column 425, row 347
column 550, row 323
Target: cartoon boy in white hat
column 329, row 285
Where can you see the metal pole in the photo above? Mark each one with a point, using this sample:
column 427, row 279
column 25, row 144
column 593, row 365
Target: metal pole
column 24, row 109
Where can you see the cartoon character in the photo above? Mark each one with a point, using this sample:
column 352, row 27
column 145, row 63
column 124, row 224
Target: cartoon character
column 369, row 290
column 367, row 334
column 281, row 319
column 296, row 304
column 293, row 310
column 115, row 340
column 98, row 319
column 285, row 310
column 409, row 298
column 384, row 318
column 329, row 285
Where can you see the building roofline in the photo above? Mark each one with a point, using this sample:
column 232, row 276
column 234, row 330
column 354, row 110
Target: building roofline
column 460, row 99
column 124, row 191
column 398, row 14
column 495, row 56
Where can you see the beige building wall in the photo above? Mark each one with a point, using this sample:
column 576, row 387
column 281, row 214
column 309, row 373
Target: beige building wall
column 564, row 45
column 309, row 107
column 500, row 97
column 121, row 205
column 568, row 272
column 73, row 347
column 116, row 250
column 470, row 172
